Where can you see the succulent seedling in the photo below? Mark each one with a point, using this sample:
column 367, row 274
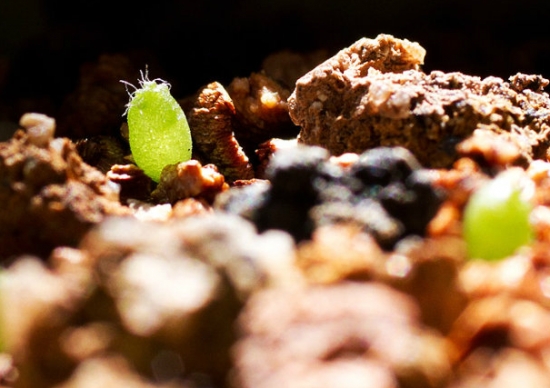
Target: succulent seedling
column 159, row 134
column 496, row 219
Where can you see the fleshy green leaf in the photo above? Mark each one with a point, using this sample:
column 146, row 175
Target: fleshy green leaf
column 158, row 129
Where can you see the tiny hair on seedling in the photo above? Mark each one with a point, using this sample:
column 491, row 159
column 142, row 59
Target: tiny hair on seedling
column 159, row 134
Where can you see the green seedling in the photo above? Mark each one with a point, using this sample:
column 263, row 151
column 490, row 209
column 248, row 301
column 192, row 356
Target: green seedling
column 158, row 130
column 496, row 219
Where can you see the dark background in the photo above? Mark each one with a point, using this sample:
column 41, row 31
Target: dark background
column 43, row 43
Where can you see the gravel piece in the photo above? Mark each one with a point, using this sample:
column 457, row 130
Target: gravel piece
column 374, row 94
column 50, row 196
column 212, row 120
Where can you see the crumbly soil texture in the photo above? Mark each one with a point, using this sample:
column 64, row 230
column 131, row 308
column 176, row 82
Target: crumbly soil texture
column 314, row 239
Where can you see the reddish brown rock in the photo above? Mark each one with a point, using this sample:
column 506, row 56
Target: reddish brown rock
column 50, row 196
column 189, row 179
column 212, row 119
column 374, row 94
column 262, row 109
